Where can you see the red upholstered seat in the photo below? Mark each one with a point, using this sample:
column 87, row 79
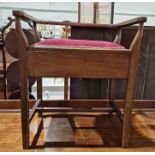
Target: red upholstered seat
column 79, row 43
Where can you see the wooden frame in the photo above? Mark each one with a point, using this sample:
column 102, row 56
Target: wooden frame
column 138, row 105
column 43, row 61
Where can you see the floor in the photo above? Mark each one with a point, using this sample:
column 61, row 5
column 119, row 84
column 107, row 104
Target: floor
column 78, row 132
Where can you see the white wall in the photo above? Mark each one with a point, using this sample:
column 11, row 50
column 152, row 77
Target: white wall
column 58, row 11
column 127, row 10
column 69, row 6
column 68, row 10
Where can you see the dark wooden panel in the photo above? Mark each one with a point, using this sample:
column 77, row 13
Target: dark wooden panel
column 145, row 86
column 145, row 76
column 92, row 33
column 90, row 88
column 87, row 88
column 149, row 87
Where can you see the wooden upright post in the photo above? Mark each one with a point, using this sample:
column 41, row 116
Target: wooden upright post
column 22, row 44
column 127, row 122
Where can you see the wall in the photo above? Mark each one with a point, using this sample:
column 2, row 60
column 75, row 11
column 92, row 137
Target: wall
column 127, row 10
column 42, row 10
column 68, row 11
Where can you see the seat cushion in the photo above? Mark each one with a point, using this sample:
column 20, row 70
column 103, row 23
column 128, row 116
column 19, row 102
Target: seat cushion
column 78, row 43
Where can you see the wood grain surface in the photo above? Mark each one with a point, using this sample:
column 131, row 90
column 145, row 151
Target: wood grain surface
column 79, row 132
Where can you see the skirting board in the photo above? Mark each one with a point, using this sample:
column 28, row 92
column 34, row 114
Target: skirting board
column 14, row 105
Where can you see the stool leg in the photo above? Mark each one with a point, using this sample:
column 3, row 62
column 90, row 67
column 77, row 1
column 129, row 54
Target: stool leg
column 66, row 88
column 111, row 92
column 127, row 126
column 39, row 92
column 24, row 112
column 127, row 121
column 112, row 89
column 134, row 47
